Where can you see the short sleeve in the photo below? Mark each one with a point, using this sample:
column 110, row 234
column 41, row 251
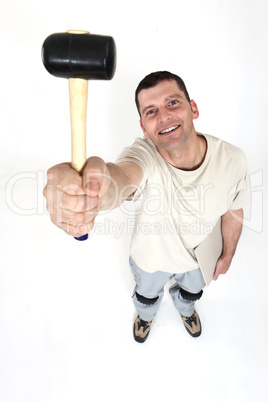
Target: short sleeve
column 240, row 194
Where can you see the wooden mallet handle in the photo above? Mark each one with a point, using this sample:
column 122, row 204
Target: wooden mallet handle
column 78, row 90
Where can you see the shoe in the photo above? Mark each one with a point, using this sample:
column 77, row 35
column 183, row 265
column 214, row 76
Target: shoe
column 141, row 329
column 192, row 324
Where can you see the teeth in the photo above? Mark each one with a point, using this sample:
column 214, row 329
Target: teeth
column 168, row 130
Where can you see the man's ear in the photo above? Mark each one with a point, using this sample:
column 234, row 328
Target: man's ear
column 143, row 129
column 194, row 109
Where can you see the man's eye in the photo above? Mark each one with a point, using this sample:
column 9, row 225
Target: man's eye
column 173, row 102
column 150, row 112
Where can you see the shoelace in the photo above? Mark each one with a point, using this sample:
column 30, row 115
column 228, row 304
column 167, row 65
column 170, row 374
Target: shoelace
column 143, row 324
column 191, row 319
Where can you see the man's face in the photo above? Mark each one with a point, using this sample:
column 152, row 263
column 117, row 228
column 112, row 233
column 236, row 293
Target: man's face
column 167, row 116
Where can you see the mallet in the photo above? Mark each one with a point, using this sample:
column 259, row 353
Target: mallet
column 79, row 56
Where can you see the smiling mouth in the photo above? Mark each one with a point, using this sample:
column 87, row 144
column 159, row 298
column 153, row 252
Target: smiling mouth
column 169, row 130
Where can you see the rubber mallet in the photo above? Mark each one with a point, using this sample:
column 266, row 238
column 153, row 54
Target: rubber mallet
column 79, row 56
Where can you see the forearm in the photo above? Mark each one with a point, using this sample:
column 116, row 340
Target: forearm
column 231, row 227
column 121, row 187
column 232, row 222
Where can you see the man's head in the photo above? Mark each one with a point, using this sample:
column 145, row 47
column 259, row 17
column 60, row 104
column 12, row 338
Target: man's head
column 153, row 79
column 166, row 112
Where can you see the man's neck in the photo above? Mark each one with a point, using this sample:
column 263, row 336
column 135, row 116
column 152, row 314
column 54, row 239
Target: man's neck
column 189, row 156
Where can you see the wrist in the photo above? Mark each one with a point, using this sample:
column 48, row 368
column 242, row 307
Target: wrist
column 227, row 256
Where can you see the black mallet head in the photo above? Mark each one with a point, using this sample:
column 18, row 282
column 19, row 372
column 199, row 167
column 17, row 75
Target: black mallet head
column 85, row 56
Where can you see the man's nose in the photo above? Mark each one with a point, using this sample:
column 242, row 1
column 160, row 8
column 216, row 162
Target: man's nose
column 163, row 115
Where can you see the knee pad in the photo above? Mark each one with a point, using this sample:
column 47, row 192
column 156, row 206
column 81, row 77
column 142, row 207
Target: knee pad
column 145, row 300
column 190, row 296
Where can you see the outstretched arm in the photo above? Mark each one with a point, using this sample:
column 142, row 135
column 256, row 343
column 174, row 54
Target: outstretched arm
column 74, row 201
column 231, row 227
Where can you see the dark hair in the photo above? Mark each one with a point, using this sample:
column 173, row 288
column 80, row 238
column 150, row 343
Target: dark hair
column 153, row 79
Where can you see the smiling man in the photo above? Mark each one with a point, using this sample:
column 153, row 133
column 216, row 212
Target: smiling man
column 167, row 119
column 182, row 183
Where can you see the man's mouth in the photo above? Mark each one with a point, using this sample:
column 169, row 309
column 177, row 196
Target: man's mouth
column 168, row 130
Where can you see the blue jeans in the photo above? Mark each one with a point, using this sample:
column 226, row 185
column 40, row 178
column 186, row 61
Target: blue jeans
column 151, row 286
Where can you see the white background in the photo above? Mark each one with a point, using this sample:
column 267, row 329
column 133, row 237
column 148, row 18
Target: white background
column 66, row 312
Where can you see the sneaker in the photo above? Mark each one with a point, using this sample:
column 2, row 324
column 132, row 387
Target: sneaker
column 192, row 324
column 141, row 329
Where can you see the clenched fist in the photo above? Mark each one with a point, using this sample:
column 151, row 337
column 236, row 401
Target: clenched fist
column 73, row 201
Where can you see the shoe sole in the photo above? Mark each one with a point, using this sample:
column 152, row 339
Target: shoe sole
column 196, row 335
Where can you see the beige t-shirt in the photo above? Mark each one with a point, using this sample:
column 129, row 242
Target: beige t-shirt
column 175, row 209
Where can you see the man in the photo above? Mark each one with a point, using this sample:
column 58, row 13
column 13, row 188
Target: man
column 181, row 182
